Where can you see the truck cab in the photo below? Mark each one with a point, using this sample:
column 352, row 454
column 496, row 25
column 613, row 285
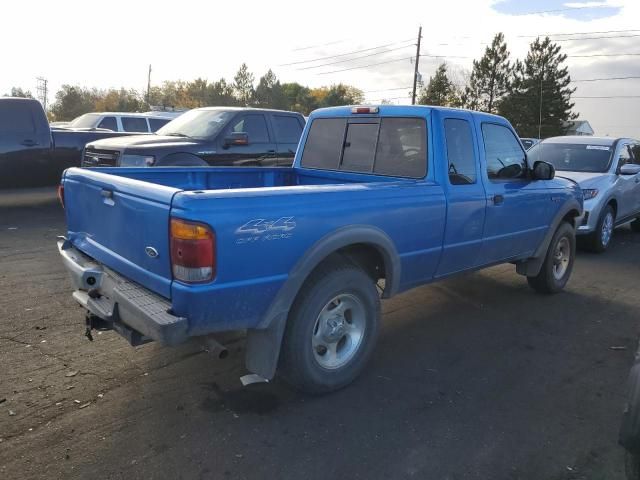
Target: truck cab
column 210, row 136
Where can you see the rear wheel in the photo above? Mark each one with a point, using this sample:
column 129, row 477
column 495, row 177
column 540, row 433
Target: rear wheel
column 331, row 330
column 558, row 263
column 599, row 240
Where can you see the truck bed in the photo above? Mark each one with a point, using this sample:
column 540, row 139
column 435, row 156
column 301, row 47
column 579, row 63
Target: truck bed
column 217, row 178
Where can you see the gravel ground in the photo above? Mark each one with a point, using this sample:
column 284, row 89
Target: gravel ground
column 476, row 377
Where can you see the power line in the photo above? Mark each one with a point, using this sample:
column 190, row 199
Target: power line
column 605, row 55
column 355, row 58
column 344, row 54
column 387, row 89
column 320, row 45
column 632, row 77
column 366, row 66
column 573, row 33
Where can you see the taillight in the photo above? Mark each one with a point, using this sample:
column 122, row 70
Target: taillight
column 193, row 251
column 61, row 194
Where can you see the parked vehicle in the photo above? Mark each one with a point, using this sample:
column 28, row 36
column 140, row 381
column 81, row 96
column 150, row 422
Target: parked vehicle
column 208, row 136
column 147, row 122
column 529, row 142
column 294, row 255
column 608, row 171
column 31, row 153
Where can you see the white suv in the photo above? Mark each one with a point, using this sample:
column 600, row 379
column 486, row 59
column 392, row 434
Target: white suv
column 147, row 122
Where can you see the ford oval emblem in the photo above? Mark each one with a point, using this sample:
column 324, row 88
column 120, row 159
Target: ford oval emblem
column 151, row 252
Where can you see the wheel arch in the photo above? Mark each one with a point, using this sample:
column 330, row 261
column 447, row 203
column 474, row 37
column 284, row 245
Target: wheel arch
column 366, row 246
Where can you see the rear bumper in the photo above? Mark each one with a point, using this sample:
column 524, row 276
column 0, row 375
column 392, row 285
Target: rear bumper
column 115, row 299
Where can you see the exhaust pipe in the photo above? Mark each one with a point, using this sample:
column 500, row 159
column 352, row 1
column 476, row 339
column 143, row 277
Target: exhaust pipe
column 215, row 348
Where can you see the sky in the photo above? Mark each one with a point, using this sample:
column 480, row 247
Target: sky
column 111, row 44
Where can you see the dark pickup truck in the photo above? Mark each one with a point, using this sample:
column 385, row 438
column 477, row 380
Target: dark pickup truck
column 209, row 136
column 31, row 153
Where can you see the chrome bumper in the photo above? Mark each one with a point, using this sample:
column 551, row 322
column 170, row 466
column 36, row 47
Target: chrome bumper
column 113, row 298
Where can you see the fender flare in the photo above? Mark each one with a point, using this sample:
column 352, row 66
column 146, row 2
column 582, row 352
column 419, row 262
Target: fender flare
column 181, row 159
column 263, row 342
column 532, row 266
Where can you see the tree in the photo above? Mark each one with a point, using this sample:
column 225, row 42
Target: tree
column 298, row 98
column 539, row 102
column 440, row 91
column 490, row 77
column 340, row 94
column 269, row 93
column 119, row 101
column 243, row 85
column 72, row 101
column 19, row 92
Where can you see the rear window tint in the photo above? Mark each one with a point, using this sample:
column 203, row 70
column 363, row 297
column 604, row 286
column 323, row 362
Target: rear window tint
column 402, row 148
column 391, row 146
column 323, row 147
column 16, row 118
column 134, row 124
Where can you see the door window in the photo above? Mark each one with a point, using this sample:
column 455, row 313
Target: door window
column 504, row 155
column 109, row 123
column 134, row 124
column 462, row 162
column 254, row 125
column 625, row 156
column 287, row 129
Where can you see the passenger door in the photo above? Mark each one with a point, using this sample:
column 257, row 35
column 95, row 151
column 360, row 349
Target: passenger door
column 518, row 209
column 466, row 196
column 24, row 152
column 627, row 184
column 259, row 152
column 287, row 129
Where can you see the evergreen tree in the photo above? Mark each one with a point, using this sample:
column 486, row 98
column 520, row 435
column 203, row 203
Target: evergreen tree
column 440, row 91
column 243, row 86
column 269, row 93
column 539, row 102
column 490, row 77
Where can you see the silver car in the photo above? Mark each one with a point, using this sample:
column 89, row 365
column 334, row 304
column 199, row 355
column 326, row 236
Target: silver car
column 608, row 171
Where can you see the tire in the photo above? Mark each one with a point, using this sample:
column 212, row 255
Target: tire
column 635, row 225
column 558, row 263
column 600, row 239
column 322, row 350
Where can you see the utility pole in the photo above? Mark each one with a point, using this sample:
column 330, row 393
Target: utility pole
column 149, row 86
column 415, row 72
column 42, row 91
column 540, row 106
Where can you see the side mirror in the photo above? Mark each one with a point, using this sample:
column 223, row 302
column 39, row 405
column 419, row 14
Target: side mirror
column 543, row 171
column 236, row 138
column 629, row 169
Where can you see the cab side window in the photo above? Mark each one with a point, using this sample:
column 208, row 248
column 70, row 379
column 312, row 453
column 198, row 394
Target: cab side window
column 109, row 123
column 505, row 158
column 254, row 125
column 460, row 154
column 635, row 152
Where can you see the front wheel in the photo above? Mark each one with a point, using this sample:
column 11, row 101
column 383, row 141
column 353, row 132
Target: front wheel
column 558, row 263
column 599, row 240
column 331, row 330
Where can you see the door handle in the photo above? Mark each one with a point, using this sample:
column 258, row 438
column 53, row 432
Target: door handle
column 497, row 199
column 29, row 143
column 271, row 152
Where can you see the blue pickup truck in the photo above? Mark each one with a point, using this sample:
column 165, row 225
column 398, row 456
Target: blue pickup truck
column 379, row 200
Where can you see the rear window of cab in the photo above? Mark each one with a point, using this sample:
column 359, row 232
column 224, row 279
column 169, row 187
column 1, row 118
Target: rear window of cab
column 384, row 146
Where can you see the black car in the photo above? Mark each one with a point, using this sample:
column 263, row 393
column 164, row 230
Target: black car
column 207, row 136
column 31, row 153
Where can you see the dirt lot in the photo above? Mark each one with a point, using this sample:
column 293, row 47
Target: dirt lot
column 474, row 378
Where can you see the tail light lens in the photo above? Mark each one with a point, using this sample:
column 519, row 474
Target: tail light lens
column 61, row 194
column 193, row 251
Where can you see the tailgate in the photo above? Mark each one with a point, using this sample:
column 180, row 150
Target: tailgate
column 121, row 223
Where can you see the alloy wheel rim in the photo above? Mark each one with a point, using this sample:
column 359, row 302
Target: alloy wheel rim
column 561, row 258
column 338, row 331
column 607, row 229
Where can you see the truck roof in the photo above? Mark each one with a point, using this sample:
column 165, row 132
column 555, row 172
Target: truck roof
column 248, row 109
column 397, row 110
